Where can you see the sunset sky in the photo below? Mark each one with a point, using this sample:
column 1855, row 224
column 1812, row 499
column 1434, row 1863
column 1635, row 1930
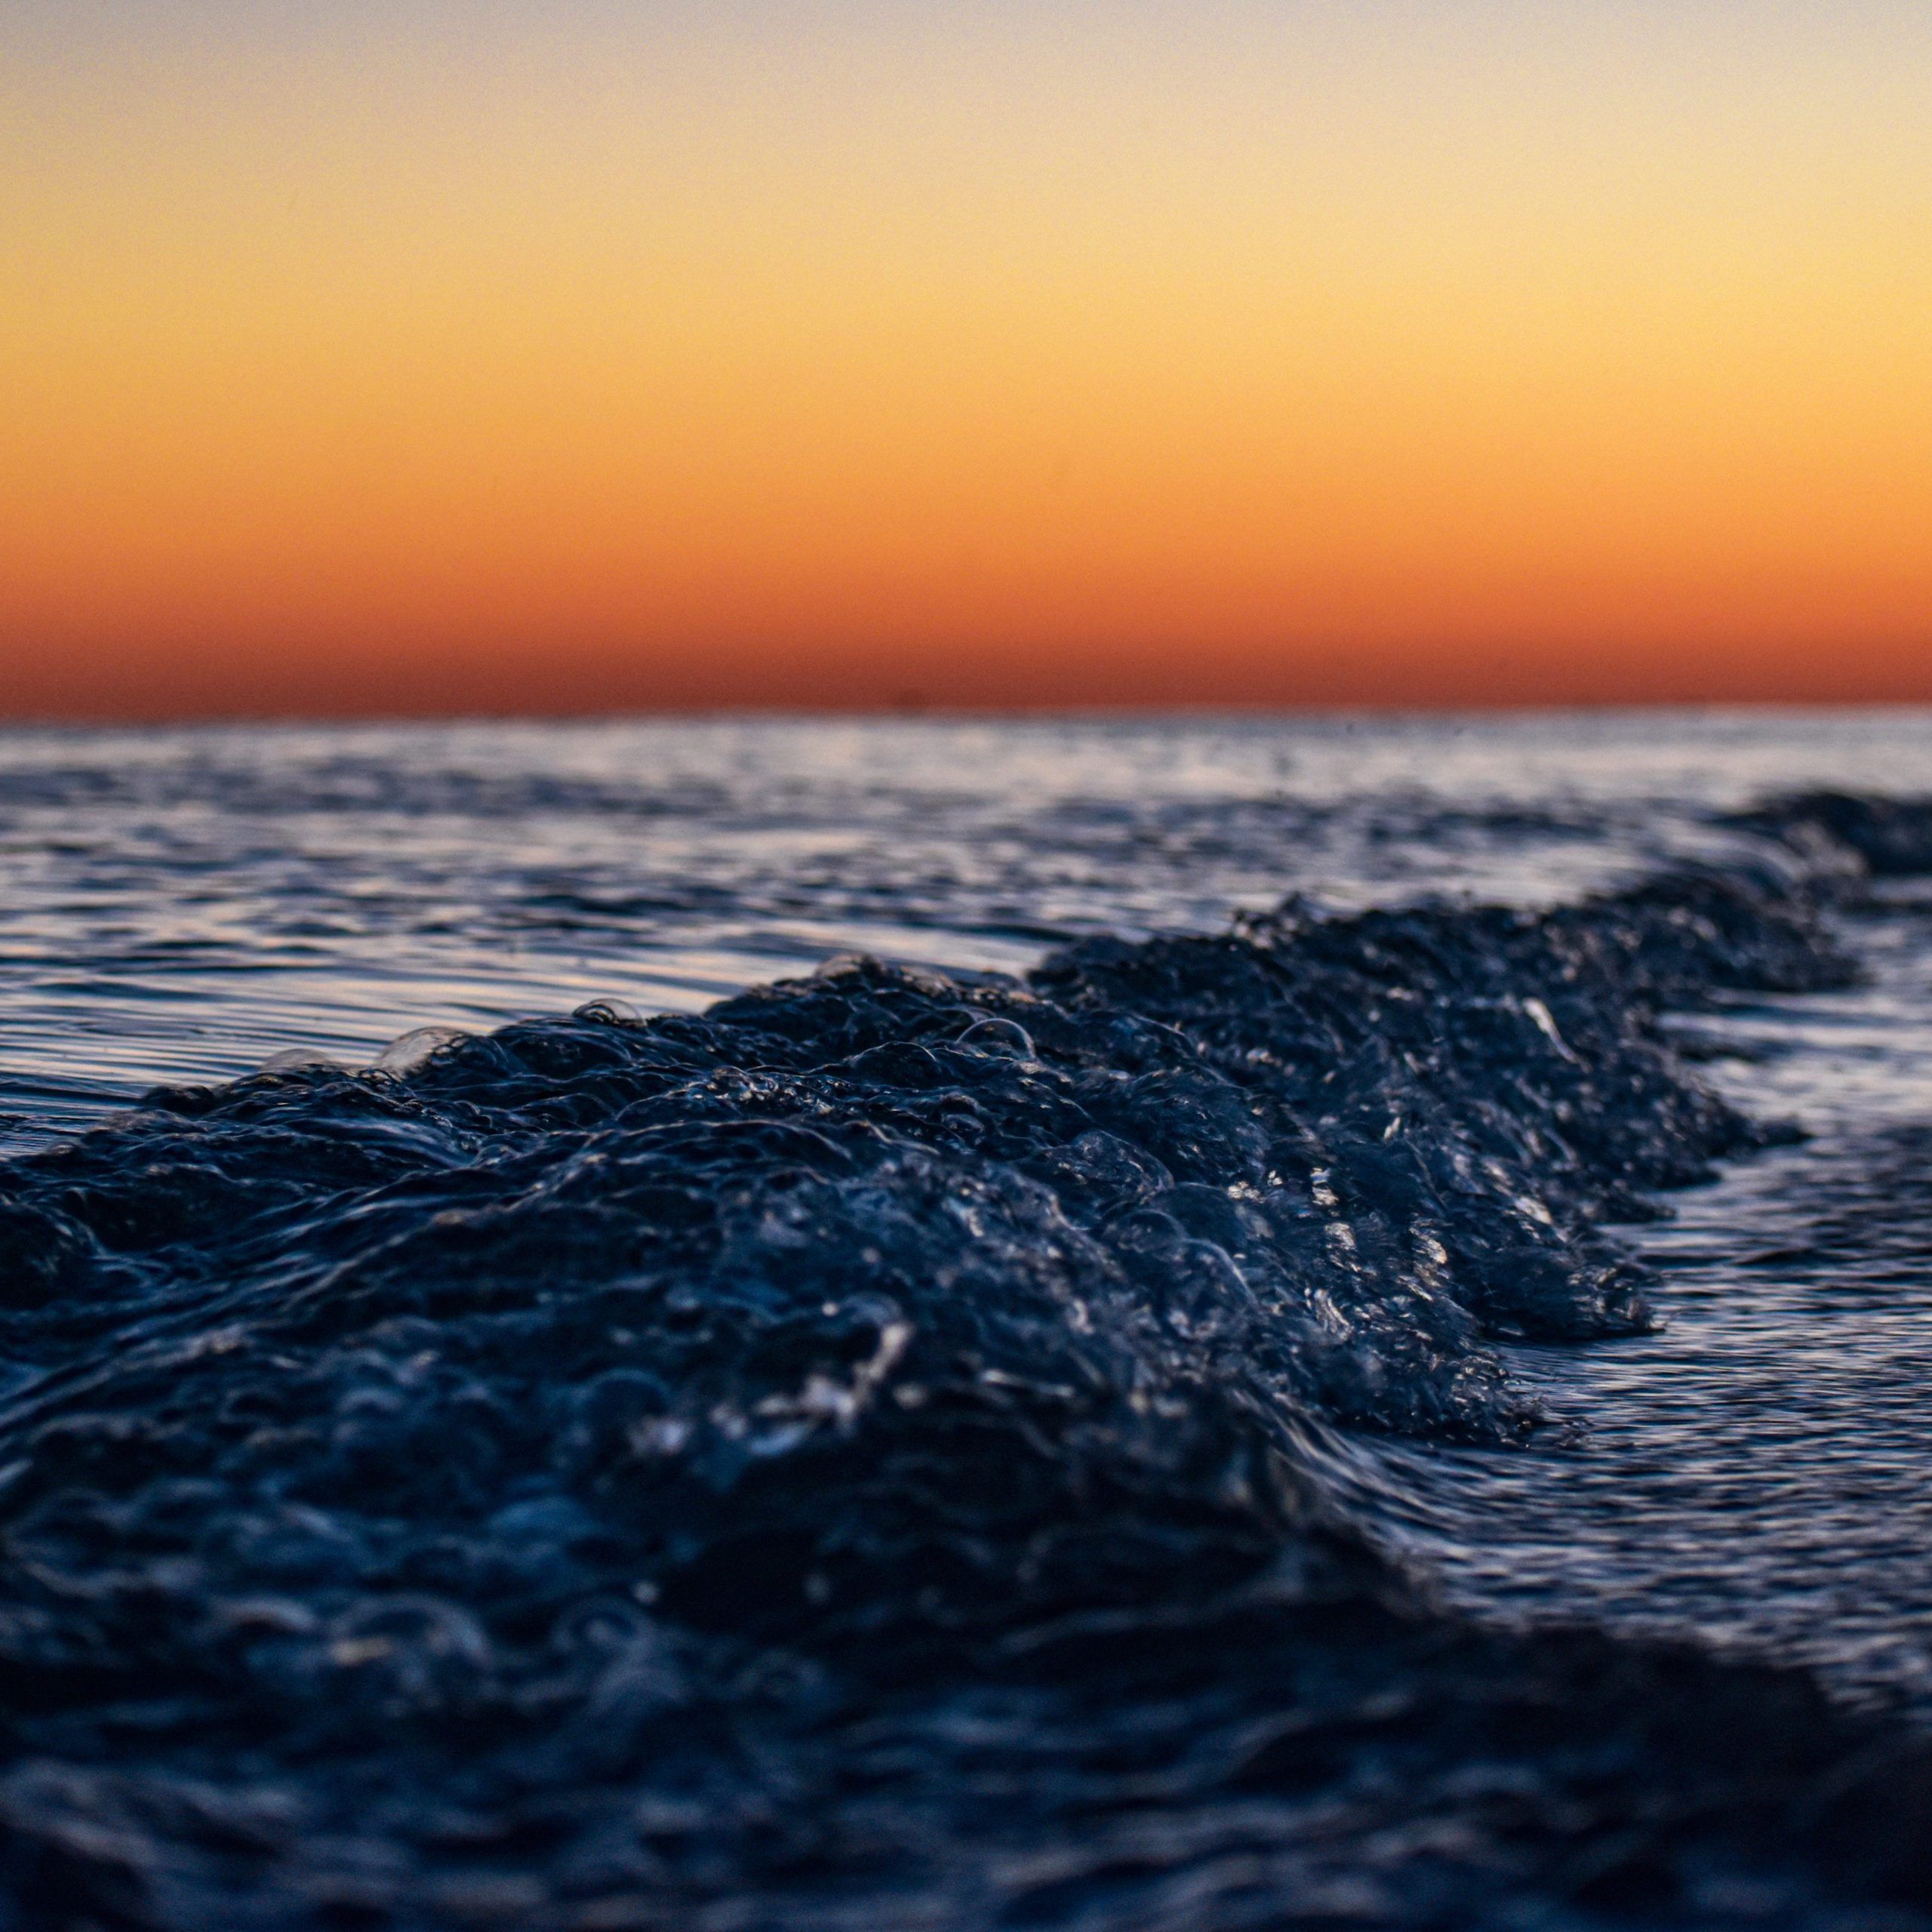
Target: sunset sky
column 379, row 355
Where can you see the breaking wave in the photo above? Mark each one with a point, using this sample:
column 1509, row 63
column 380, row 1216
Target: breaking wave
column 862, row 1457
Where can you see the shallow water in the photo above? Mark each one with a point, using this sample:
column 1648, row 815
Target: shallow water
column 1262, row 1261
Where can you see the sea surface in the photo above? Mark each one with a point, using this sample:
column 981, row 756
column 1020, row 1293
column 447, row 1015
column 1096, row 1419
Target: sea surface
column 1202, row 1322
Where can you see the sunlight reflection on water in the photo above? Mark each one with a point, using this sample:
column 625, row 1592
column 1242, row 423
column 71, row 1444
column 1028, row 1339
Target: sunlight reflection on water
column 183, row 904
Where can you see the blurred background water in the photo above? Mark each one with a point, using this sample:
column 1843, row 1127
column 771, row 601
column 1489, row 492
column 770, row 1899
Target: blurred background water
column 187, row 904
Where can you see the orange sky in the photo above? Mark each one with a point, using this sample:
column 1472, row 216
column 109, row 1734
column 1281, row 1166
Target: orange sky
column 422, row 358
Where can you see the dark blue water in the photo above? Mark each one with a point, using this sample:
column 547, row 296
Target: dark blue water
column 1319, row 1324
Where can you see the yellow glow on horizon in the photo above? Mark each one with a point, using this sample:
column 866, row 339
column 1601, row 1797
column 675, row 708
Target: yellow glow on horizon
column 1082, row 331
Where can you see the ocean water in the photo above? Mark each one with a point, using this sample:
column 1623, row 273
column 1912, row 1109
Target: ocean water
column 1182, row 1323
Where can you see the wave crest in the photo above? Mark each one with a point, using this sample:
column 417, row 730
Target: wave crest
column 443, row 1472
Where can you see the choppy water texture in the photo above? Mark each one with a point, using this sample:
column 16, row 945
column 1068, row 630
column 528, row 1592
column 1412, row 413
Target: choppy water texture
column 1312, row 1324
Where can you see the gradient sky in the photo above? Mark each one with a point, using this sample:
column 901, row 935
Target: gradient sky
column 370, row 357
